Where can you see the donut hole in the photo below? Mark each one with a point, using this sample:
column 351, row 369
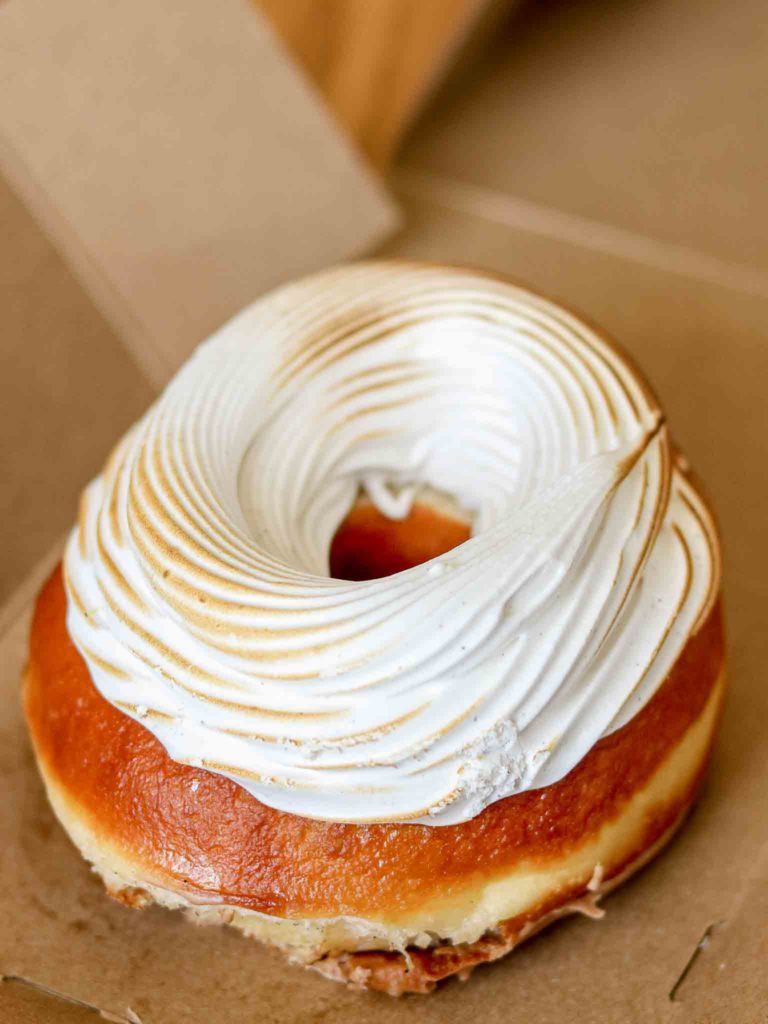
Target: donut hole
column 368, row 545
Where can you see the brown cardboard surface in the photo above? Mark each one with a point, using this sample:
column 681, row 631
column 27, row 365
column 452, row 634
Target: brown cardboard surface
column 728, row 978
column 647, row 116
column 26, row 1004
column 68, row 388
column 178, row 158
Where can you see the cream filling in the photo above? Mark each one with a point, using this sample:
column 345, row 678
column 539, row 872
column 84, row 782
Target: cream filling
column 198, row 574
column 463, row 919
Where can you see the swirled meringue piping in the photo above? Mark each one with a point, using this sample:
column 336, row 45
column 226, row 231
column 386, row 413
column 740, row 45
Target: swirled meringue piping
column 198, row 574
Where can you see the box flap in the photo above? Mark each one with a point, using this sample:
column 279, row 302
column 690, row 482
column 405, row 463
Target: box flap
column 178, row 158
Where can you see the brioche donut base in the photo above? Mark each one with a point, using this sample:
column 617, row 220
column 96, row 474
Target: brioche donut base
column 526, row 861
column 396, row 973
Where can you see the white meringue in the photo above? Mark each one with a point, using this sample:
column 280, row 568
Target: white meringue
column 198, row 574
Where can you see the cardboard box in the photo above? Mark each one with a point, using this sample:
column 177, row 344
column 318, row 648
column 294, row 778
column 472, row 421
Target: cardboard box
column 683, row 943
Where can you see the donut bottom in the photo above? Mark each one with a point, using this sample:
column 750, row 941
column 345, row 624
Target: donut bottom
column 412, row 952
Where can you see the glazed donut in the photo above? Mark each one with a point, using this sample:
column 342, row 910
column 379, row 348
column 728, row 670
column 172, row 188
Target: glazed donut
column 389, row 634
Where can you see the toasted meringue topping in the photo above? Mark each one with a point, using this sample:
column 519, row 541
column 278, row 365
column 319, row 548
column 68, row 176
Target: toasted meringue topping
column 198, row 572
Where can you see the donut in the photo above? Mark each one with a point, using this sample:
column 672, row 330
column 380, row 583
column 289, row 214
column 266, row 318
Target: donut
column 391, row 633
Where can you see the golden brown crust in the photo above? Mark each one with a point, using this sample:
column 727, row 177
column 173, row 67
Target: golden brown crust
column 188, row 827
